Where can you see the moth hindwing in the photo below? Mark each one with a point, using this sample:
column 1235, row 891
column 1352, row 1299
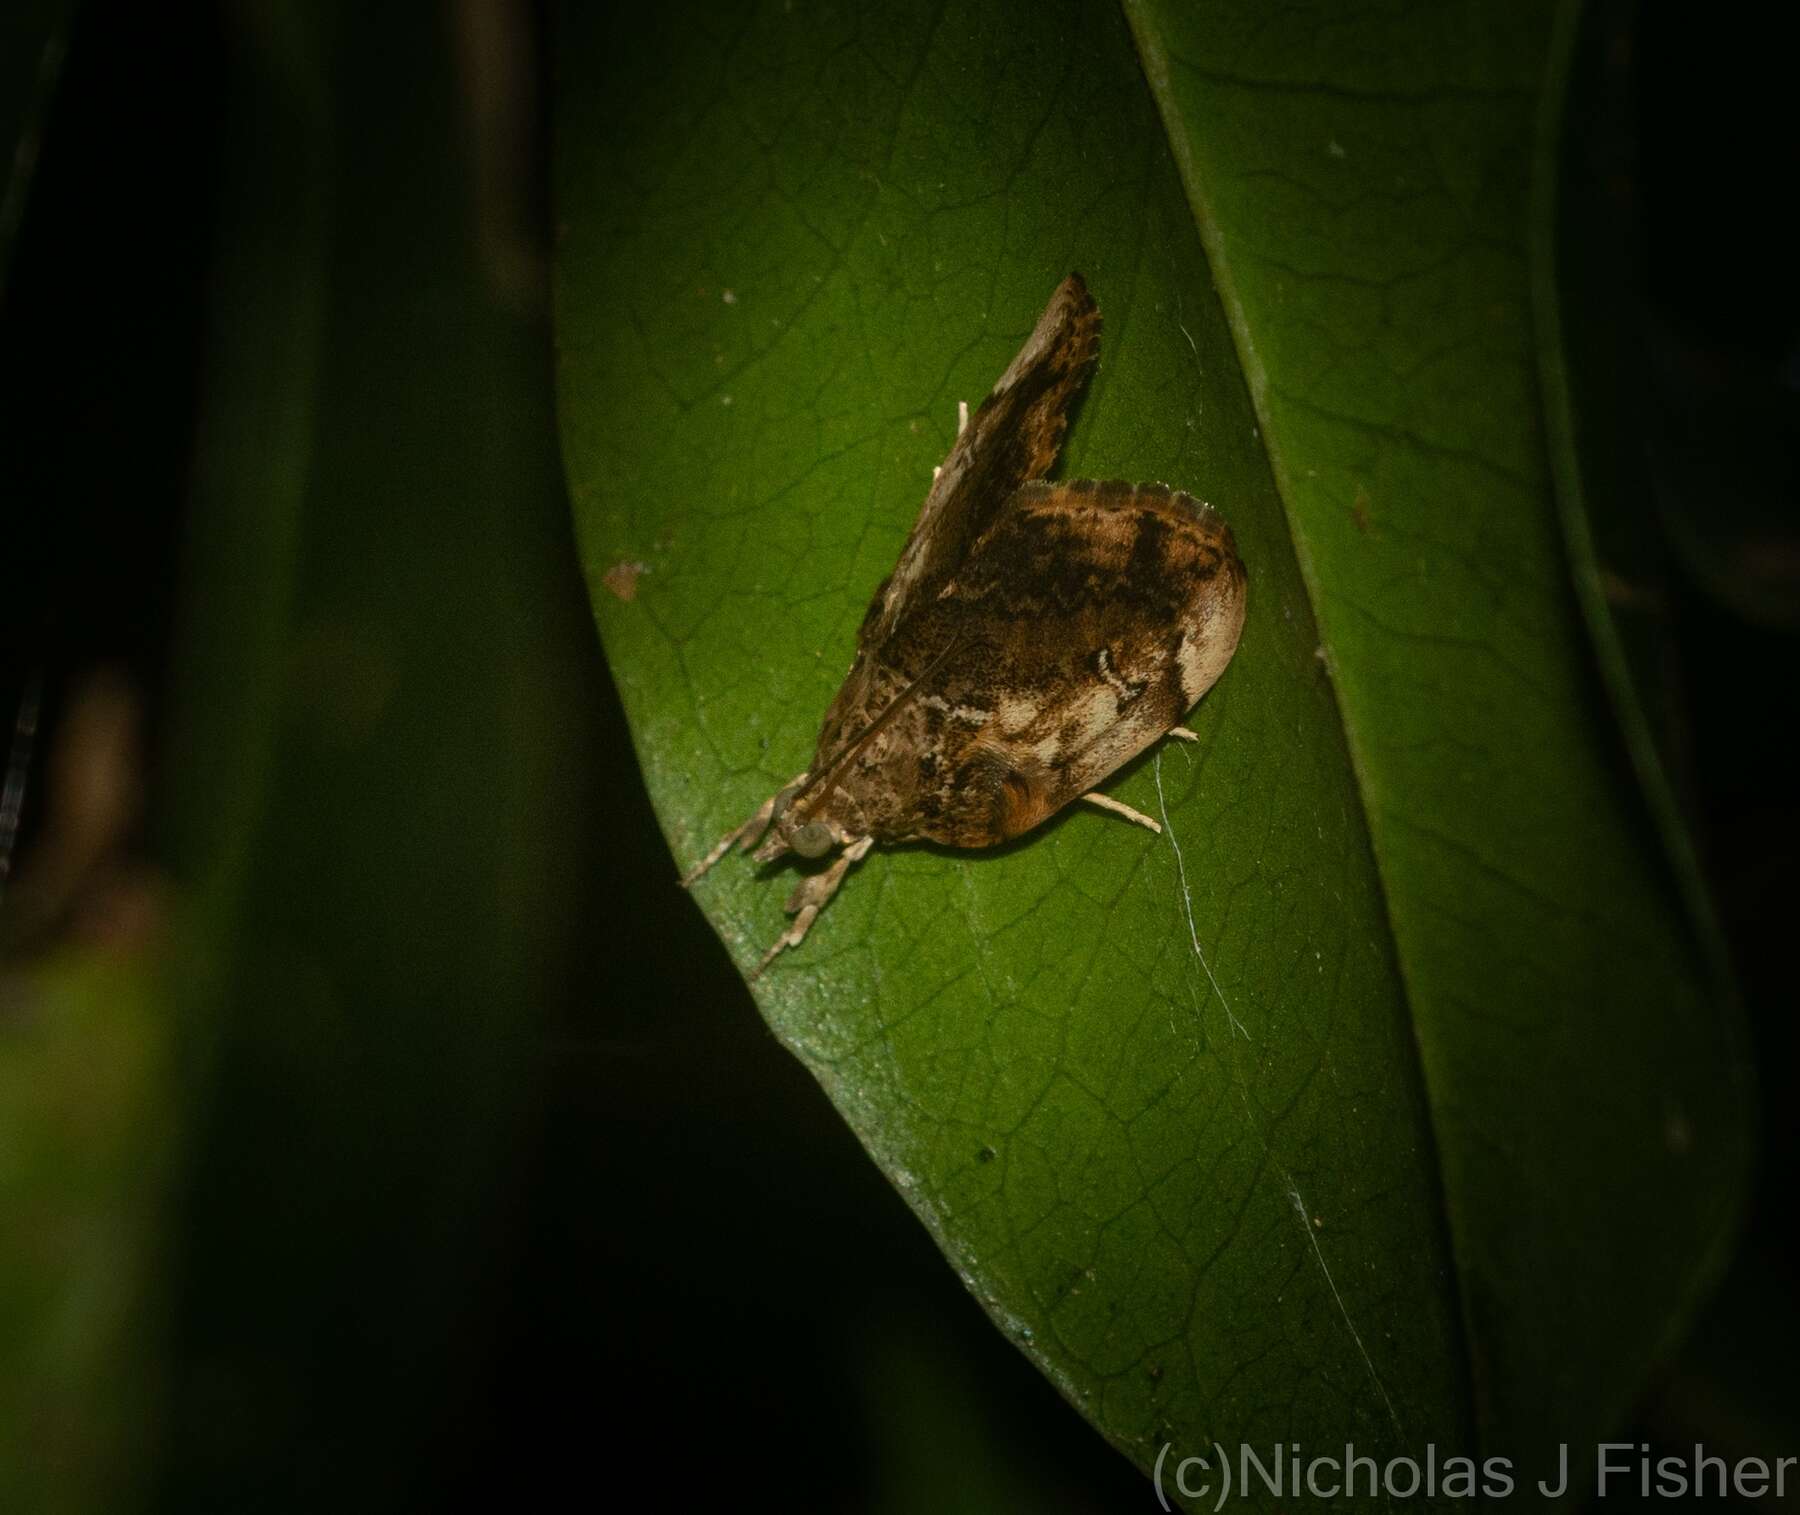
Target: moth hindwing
column 1033, row 637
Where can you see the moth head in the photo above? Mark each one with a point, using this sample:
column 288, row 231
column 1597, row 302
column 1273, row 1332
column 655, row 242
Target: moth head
column 799, row 828
column 814, row 839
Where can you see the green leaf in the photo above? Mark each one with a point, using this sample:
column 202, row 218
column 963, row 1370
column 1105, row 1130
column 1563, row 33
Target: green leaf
column 1364, row 199
column 1383, row 1099
column 88, row 1130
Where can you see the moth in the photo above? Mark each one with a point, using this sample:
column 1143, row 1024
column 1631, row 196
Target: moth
column 1033, row 637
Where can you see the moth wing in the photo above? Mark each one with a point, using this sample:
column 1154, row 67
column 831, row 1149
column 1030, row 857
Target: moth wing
column 1085, row 622
column 1014, row 435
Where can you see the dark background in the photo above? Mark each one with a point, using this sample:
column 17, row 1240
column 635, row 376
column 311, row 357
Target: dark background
column 531, row 1198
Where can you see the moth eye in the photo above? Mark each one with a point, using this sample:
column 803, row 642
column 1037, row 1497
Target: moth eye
column 814, row 839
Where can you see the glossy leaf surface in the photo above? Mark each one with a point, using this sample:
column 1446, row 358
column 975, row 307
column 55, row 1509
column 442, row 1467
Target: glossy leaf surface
column 1300, row 1121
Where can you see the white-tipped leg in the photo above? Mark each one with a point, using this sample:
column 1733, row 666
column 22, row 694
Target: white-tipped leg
column 746, row 835
column 1124, row 812
column 1182, row 734
column 810, row 896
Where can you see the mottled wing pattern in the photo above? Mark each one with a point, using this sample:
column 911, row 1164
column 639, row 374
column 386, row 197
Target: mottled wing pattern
column 1083, row 624
column 1014, row 436
column 1032, row 638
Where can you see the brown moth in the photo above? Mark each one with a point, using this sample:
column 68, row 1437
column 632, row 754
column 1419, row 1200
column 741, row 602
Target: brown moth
column 1033, row 637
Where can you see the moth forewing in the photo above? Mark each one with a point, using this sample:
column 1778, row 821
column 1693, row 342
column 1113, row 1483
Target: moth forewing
column 1013, row 436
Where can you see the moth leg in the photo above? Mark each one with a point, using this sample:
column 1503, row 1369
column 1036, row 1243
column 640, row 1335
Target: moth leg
column 810, row 896
column 1182, row 734
column 1124, row 812
column 746, row 835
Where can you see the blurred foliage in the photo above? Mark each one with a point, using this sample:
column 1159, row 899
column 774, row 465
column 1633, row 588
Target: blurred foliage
column 33, row 37
column 370, row 797
column 86, row 1149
